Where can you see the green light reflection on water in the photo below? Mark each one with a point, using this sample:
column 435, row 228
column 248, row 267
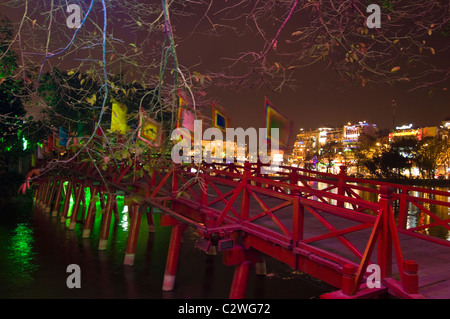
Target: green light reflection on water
column 21, row 255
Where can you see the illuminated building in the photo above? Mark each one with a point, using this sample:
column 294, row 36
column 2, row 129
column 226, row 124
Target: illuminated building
column 408, row 131
column 309, row 142
column 352, row 132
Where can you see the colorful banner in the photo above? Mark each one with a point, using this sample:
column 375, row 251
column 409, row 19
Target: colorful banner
column 186, row 119
column 99, row 131
column 219, row 119
column 63, row 135
column 274, row 119
column 119, row 121
column 50, row 143
column 149, row 131
column 56, row 142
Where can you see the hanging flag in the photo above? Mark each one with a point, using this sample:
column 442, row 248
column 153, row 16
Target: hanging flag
column 63, row 135
column 219, row 119
column 119, row 117
column 149, row 131
column 55, row 145
column 185, row 119
column 99, row 131
column 50, row 143
column 274, row 119
column 182, row 98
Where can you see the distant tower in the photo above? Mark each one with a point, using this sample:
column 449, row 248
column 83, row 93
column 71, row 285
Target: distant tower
column 394, row 105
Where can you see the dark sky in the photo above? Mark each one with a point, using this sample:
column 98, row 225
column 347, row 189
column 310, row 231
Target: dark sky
column 308, row 105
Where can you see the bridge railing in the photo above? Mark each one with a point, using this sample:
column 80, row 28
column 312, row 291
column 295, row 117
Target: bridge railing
column 283, row 207
column 223, row 194
column 420, row 212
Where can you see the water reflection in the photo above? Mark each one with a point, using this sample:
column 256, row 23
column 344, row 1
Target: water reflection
column 35, row 251
column 21, row 255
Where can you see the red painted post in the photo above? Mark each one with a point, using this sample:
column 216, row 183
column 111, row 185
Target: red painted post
column 240, row 280
column 385, row 236
column 349, row 280
column 133, row 235
column 106, row 222
column 341, row 184
column 410, row 279
column 293, row 179
column 150, row 222
column 50, row 196
column 43, row 202
column 245, row 203
column 37, row 196
column 90, row 213
column 174, row 182
column 66, row 202
column 58, row 198
column 76, row 206
column 297, row 221
column 172, row 257
column 204, row 192
column 403, row 209
column 42, row 186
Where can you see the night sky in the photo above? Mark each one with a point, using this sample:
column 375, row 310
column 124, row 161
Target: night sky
column 318, row 99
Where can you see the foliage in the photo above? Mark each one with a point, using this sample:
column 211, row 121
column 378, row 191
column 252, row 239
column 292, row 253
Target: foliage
column 11, row 108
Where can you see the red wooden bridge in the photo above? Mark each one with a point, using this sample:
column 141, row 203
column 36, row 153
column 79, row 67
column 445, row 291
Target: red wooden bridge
column 331, row 227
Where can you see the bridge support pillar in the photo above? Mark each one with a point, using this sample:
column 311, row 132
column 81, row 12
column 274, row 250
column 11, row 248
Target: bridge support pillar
column 240, row 280
column 43, row 202
column 58, row 198
column 66, row 202
column 243, row 259
column 90, row 213
column 106, row 222
column 76, row 206
column 150, row 222
column 133, row 235
column 172, row 257
column 51, row 193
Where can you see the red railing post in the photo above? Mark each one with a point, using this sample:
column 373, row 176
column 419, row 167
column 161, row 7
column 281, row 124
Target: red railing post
column 297, row 221
column 348, row 280
column 410, row 279
column 403, row 209
column 245, row 203
column 174, row 182
column 341, row 184
column 293, row 177
column 385, row 236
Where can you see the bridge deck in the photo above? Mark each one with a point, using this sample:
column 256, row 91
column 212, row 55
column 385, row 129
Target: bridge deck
column 433, row 259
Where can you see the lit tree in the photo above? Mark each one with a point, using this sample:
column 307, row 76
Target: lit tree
column 271, row 44
column 11, row 108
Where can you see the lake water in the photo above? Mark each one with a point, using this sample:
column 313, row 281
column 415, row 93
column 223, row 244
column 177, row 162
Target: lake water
column 35, row 250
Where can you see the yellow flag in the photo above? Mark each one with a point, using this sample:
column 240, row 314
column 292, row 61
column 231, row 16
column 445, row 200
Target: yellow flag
column 119, row 117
